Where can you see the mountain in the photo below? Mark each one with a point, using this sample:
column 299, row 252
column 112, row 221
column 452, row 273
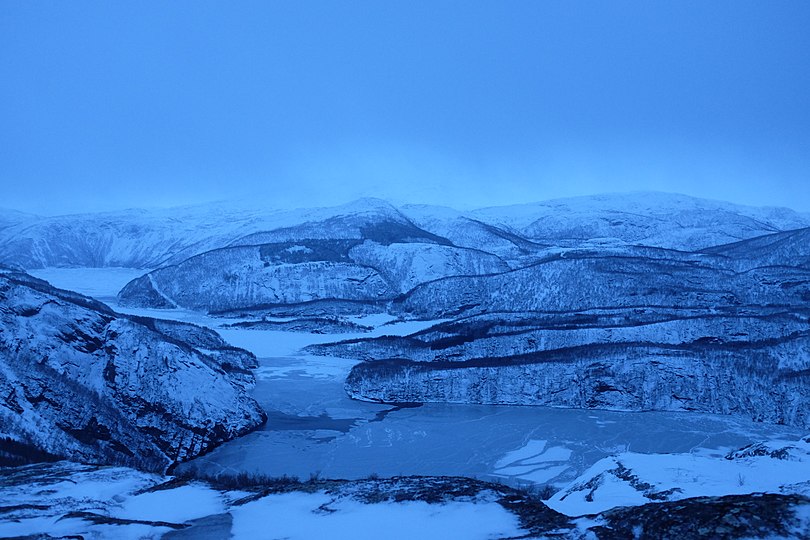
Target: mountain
column 646, row 218
column 788, row 248
column 372, row 252
column 9, row 218
column 80, row 381
column 365, row 219
column 150, row 238
column 153, row 238
column 659, row 330
column 577, row 281
column 362, row 258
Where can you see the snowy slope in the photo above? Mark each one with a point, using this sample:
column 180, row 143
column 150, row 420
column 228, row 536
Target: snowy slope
column 647, row 218
column 406, row 265
column 575, row 282
column 70, row 500
column 391, row 259
column 630, row 479
column 82, row 382
column 789, row 248
column 247, row 278
column 153, row 238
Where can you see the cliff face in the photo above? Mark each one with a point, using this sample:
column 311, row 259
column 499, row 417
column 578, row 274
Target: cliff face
column 80, row 381
column 765, row 382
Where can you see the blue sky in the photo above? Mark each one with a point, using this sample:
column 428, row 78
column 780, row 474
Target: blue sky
column 119, row 104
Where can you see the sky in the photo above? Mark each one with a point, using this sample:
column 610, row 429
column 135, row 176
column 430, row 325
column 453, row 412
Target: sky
column 109, row 105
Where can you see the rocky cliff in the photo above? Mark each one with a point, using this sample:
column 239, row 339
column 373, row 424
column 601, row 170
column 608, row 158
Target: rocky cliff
column 80, row 381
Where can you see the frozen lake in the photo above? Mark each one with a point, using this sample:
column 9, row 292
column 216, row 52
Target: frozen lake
column 314, row 428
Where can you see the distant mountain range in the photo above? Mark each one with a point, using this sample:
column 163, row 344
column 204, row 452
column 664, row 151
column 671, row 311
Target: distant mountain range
column 152, row 238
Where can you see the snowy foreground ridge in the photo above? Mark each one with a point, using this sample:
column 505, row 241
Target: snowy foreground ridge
column 64, row 499
column 637, row 303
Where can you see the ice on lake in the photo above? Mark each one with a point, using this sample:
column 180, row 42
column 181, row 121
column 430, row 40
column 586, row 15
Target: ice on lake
column 314, row 428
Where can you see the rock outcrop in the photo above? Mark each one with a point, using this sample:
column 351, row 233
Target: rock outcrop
column 80, row 381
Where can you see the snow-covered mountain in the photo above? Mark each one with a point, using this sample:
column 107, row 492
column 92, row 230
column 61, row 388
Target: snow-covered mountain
column 9, row 218
column 366, row 258
column 80, row 381
column 645, row 218
column 658, row 330
column 152, row 238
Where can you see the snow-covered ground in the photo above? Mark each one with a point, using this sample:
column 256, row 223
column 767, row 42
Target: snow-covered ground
column 315, row 515
column 112, row 502
column 72, row 500
column 630, row 479
column 100, row 283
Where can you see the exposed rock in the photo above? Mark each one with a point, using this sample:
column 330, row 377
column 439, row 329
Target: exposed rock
column 313, row 325
column 80, row 381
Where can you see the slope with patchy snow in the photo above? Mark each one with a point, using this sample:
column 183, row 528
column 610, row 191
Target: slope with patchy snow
column 631, row 479
column 65, row 499
column 83, row 382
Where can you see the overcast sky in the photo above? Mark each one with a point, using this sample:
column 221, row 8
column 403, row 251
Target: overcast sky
column 121, row 104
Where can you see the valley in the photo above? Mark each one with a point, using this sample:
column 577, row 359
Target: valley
column 366, row 342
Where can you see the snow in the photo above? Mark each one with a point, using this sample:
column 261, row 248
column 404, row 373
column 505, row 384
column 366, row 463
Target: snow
column 100, row 283
column 534, row 462
column 37, row 504
column 304, row 516
column 531, row 449
column 72, row 527
column 173, row 505
column 320, row 367
column 680, row 476
column 64, row 487
column 270, row 343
